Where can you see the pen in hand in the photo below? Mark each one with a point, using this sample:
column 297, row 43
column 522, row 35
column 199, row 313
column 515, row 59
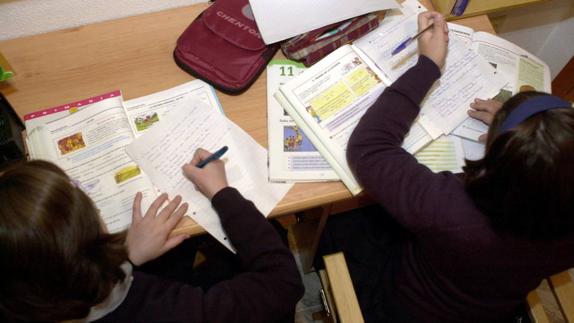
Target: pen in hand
column 407, row 42
column 216, row 155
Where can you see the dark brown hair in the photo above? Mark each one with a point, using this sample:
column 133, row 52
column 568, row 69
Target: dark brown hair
column 57, row 261
column 525, row 182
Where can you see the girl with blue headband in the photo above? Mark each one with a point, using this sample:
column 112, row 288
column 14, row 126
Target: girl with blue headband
column 457, row 247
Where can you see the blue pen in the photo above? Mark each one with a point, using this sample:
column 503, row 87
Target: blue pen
column 216, row 155
column 408, row 41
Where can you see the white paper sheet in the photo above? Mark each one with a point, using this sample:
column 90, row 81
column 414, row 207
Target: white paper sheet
column 165, row 148
column 278, row 19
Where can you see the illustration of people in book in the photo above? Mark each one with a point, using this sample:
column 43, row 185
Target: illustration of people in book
column 295, row 140
column 313, row 113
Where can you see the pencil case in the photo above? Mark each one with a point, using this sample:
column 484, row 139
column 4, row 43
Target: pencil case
column 223, row 47
column 310, row 47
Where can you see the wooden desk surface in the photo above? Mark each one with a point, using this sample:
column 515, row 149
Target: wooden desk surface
column 134, row 55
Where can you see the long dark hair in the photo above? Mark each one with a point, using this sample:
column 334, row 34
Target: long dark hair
column 57, row 261
column 525, row 182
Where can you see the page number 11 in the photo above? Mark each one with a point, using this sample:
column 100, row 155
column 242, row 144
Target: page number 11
column 288, row 69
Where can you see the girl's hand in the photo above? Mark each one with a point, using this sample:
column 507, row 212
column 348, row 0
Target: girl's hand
column 148, row 236
column 484, row 110
column 433, row 43
column 211, row 178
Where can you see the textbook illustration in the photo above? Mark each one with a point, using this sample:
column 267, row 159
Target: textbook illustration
column 292, row 155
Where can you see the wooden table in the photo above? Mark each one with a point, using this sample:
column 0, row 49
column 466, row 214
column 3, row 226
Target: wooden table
column 135, row 55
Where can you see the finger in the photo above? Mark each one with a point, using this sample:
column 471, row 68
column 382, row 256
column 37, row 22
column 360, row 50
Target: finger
column 200, row 154
column 154, row 207
column 196, row 158
column 177, row 215
column 174, row 242
column 168, row 210
column 440, row 27
column 190, row 171
column 483, row 138
column 424, row 20
column 483, row 116
column 137, row 208
column 489, row 105
column 480, row 104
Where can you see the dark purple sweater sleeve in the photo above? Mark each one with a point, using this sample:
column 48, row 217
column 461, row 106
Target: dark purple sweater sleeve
column 271, row 285
column 408, row 190
column 266, row 291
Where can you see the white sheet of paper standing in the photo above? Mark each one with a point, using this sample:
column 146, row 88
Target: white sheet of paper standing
column 278, row 19
column 166, row 147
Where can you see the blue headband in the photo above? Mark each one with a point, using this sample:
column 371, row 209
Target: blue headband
column 531, row 107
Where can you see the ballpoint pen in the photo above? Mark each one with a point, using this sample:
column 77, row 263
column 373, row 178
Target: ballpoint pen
column 216, row 155
column 407, row 42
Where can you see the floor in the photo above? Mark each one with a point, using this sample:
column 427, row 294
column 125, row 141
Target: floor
column 311, row 301
column 310, row 305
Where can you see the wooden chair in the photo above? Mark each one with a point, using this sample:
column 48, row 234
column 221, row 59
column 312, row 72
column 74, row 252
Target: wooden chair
column 342, row 306
column 553, row 300
column 338, row 293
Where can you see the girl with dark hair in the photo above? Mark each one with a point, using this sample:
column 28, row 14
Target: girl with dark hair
column 458, row 247
column 60, row 264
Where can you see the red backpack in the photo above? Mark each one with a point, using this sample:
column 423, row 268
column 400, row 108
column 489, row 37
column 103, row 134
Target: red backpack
column 223, row 47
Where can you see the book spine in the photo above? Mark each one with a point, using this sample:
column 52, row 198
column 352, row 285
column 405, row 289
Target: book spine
column 459, row 7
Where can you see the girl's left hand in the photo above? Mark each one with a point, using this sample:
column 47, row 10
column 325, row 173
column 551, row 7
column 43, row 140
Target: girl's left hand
column 148, row 236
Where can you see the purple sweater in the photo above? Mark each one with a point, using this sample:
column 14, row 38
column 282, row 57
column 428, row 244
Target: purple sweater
column 454, row 267
column 266, row 291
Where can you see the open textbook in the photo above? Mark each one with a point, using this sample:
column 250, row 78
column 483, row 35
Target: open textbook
column 292, row 156
column 87, row 139
column 520, row 69
column 328, row 99
column 164, row 149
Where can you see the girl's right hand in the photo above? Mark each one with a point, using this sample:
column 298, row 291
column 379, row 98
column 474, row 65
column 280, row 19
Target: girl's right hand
column 433, row 43
column 211, row 178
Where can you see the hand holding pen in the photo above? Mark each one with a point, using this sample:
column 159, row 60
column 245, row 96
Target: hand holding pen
column 433, row 43
column 207, row 171
column 409, row 40
column 215, row 156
